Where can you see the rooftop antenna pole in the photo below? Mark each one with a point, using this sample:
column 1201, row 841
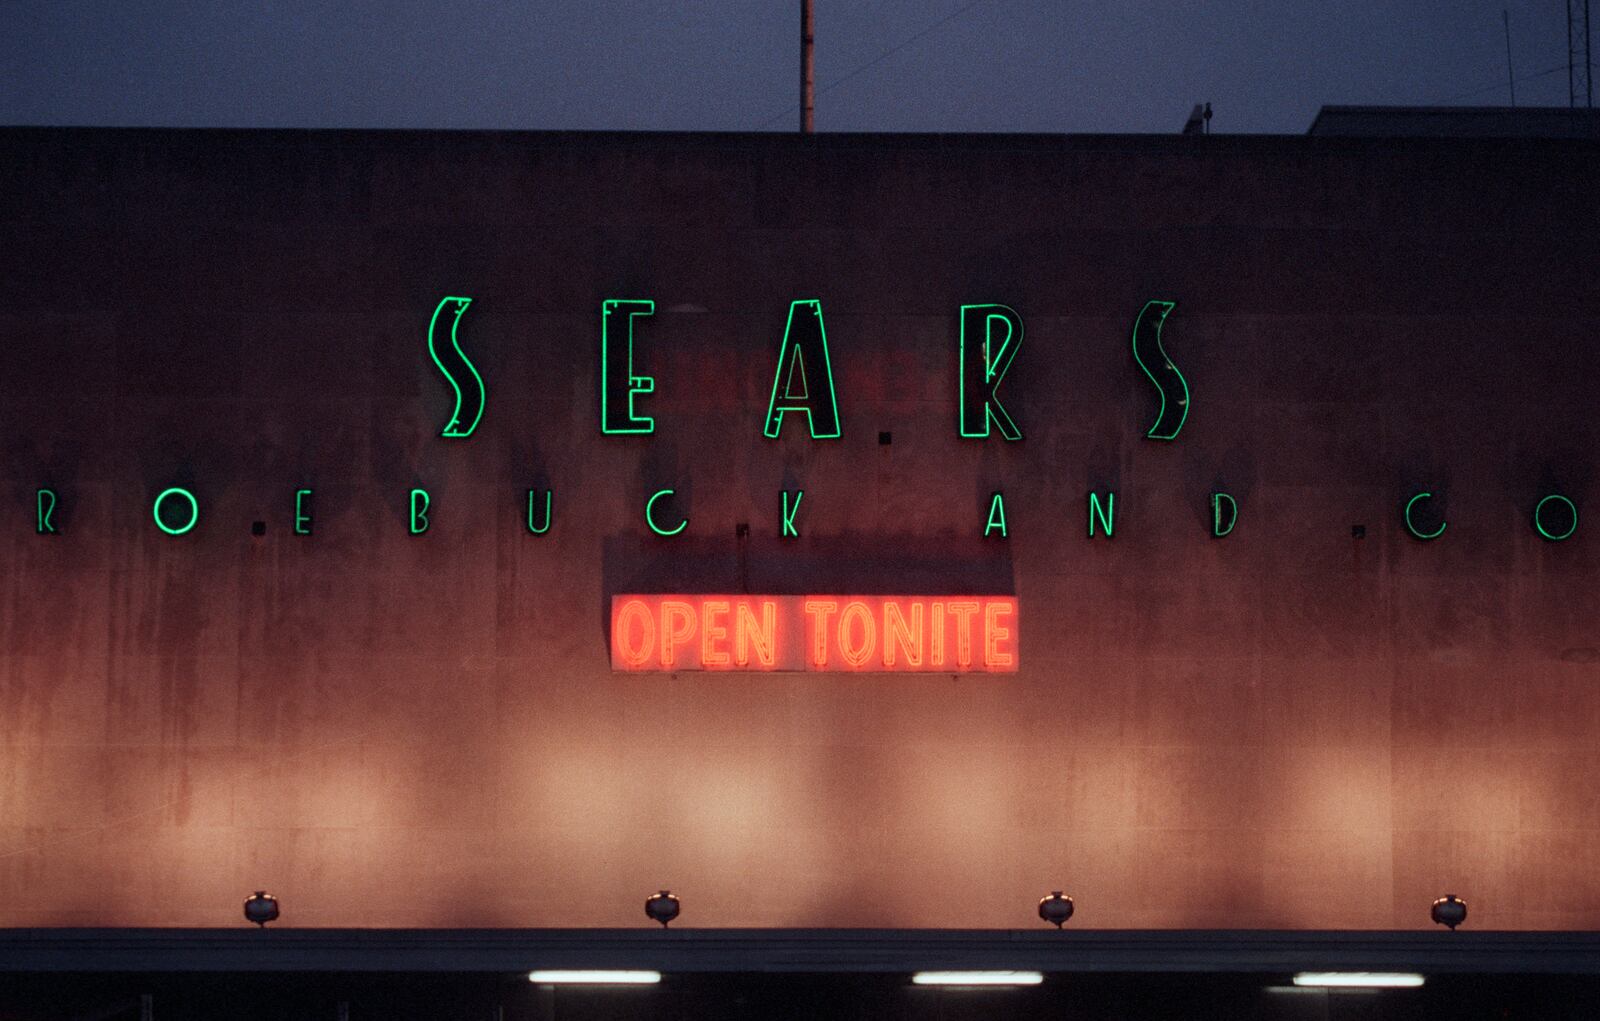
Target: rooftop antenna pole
column 1511, row 78
column 1580, row 60
column 808, row 80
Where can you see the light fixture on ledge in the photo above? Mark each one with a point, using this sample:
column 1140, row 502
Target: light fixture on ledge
column 662, row 907
column 1056, row 908
column 261, row 908
column 1449, row 910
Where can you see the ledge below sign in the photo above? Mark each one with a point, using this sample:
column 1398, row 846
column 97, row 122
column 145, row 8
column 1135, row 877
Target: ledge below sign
column 863, row 634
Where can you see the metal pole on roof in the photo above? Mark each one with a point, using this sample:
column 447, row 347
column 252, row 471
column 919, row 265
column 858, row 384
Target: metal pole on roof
column 1511, row 78
column 808, row 80
column 1580, row 55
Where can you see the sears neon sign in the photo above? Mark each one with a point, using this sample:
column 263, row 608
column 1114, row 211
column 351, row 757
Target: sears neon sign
column 990, row 338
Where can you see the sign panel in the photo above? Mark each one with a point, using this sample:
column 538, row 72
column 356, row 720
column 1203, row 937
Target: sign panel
column 865, row 634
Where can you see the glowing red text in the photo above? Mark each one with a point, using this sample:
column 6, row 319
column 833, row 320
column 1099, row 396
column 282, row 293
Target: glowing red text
column 864, row 634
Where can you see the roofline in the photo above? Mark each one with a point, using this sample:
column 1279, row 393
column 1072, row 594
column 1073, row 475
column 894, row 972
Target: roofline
column 829, row 951
column 1450, row 111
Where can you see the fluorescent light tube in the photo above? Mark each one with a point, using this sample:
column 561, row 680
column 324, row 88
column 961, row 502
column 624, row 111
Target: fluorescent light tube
column 594, row 977
column 1359, row 979
column 977, row 978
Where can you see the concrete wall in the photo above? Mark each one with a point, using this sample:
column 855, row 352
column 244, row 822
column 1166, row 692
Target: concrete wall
column 1287, row 727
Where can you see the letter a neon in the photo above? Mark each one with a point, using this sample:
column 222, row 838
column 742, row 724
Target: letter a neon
column 804, row 380
column 997, row 516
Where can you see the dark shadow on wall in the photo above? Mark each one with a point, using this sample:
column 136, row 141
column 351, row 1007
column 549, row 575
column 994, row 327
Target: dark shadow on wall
column 843, row 565
column 1231, row 471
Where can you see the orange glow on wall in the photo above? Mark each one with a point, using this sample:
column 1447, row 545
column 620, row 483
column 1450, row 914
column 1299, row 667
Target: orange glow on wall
column 854, row 634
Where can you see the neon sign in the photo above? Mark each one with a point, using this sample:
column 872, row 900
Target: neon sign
column 1411, row 523
column 176, row 511
column 789, row 511
column 535, row 528
column 1557, row 523
column 997, row 516
column 44, row 502
column 619, row 385
column 983, row 365
column 420, row 502
column 989, row 339
column 1152, row 358
column 1222, row 523
column 650, row 514
column 470, row 393
column 302, row 512
column 804, row 376
column 1105, row 513
column 833, row 633
column 182, row 526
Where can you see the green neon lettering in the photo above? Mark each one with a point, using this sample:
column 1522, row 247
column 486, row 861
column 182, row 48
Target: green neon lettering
column 983, row 365
column 419, row 511
column 194, row 511
column 539, row 529
column 1174, row 389
column 302, row 512
column 804, row 380
column 44, row 501
column 1412, row 528
column 619, row 387
column 1218, row 501
column 997, row 516
column 471, row 400
column 789, row 511
column 1105, row 514
column 1550, row 533
column 650, row 515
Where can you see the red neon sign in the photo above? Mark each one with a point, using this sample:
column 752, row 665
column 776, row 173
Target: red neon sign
column 862, row 634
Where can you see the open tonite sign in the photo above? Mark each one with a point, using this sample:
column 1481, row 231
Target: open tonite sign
column 880, row 634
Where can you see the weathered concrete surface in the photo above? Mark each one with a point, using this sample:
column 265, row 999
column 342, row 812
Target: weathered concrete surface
column 1289, row 727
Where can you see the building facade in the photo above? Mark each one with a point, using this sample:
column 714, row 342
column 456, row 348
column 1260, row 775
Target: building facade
column 241, row 652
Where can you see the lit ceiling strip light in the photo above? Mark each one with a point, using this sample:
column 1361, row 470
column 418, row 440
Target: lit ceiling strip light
column 594, row 977
column 1359, row 979
column 977, row 978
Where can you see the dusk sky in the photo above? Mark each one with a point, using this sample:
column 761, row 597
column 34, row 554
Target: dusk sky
column 731, row 65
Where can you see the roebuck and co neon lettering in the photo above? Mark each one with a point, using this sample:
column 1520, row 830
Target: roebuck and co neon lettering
column 302, row 512
column 1411, row 525
column 182, row 495
column 419, row 511
column 539, row 527
column 650, row 514
column 789, row 511
column 1105, row 514
column 997, row 516
column 1559, row 522
column 1224, row 514
column 44, row 503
